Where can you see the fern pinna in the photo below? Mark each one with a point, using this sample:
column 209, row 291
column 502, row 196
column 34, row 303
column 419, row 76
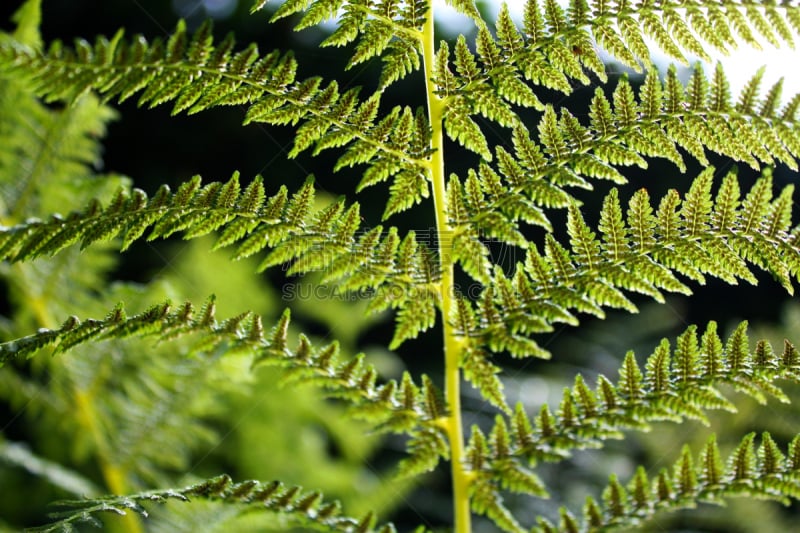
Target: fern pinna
column 515, row 193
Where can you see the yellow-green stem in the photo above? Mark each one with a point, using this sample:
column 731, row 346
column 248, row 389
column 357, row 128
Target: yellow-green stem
column 113, row 475
column 452, row 346
column 86, row 414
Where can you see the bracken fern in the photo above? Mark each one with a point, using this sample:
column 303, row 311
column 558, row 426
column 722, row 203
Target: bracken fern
column 515, row 194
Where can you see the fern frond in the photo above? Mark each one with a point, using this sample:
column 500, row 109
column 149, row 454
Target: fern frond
column 197, row 75
column 398, row 273
column 665, row 119
column 678, row 382
column 762, row 474
column 162, row 321
column 48, row 160
column 636, row 247
column 621, row 30
column 417, row 315
column 388, row 29
column 391, row 406
column 300, row 507
column 695, row 237
column 426, row 447
column 555, row 46
column 702, row 115
column 494, row 471
column 484, row 84
column 47, row 149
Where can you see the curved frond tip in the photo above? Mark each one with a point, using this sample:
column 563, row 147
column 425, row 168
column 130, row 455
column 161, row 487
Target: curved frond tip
column 300, row 507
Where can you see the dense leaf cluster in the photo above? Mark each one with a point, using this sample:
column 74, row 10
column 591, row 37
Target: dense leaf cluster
column 721, row 229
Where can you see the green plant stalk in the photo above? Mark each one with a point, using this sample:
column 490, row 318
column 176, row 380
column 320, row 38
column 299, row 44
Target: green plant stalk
column 113, row 476
column 86, row 415
column 452, row 345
